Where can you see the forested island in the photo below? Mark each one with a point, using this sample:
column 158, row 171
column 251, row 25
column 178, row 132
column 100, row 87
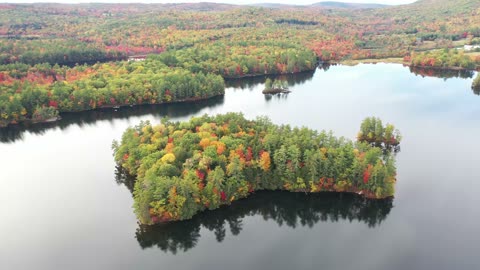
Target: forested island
column 183, row 168
column 67, row 58
column 275, row 87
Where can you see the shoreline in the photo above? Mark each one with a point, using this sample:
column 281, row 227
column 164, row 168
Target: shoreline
column 396, row 60
column 352, row 191
column 444, row 68
column 114, row 107
column 2, row 125
column 389, row 60
column 268, row 74
column 342, row 62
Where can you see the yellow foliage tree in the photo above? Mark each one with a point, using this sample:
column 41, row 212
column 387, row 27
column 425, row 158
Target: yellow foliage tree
column 168, row 158
column 169, row 147
column 204, row 143
column 265, row 161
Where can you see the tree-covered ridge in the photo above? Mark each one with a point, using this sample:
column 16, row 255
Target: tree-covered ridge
column 41, row 91
column 209, row 161
column 68, row 33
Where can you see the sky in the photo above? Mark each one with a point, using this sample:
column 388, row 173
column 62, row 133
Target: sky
column 297, row 2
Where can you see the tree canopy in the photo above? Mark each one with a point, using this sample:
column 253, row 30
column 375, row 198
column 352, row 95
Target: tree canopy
column 183, row 168
column 49, row 53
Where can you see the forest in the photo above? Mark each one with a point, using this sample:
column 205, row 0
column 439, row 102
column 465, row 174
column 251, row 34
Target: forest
column 40, row 92
column 65, row 58
column 446, row 58
column 183, row 168
column 69, row 34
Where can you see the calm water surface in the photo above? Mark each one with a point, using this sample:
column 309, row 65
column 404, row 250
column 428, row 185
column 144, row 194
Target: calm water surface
column 63, row 204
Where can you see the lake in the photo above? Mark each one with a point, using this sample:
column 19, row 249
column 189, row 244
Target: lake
column 64, row 205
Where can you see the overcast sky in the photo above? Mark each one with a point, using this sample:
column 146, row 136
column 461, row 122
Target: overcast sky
column 301, row 2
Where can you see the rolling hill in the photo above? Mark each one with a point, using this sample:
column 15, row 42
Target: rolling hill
column 333, row 4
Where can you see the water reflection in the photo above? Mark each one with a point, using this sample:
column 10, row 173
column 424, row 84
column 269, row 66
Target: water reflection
column 123, row 178
column 441, row 73
column 279, row 96
column 251, row 82
column 16, row 132
column 284, row 208
column 291, row 79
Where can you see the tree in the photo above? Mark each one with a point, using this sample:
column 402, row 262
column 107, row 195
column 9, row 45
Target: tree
column 268, row 84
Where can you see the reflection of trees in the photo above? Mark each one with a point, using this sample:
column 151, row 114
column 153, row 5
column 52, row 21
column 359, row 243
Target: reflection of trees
column 445, row 74
column 285, row 208
column 476, row 85
column 441, row 73
column 123, row 178
column 325, row 66
column 476, row 90
column 250, row 82
column 13, row 133
column 278, row 96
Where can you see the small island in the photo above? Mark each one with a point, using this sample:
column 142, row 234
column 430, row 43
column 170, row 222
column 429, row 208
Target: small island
column 183, row 168
column 275, row 87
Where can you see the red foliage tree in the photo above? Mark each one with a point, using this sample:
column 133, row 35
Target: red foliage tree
column 200, row 174
column 53, row 103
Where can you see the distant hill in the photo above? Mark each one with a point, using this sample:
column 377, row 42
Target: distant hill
column 447, row 11
column 326, row 4
column 201, row 6
column 333, row 4
column 273, row 5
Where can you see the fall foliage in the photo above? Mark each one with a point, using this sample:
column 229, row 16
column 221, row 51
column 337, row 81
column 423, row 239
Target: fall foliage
column 193, row 175
column 65, row 58
column 42, row 91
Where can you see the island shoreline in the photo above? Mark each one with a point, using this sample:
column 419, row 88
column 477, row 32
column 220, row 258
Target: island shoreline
column 114, row 107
